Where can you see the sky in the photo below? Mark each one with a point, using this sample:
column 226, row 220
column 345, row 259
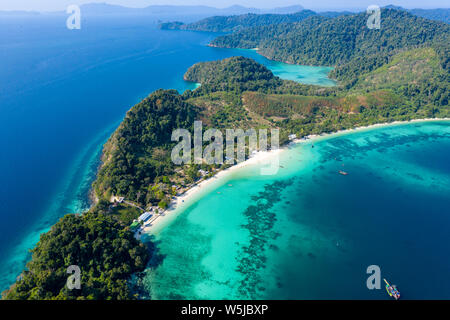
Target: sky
column 57, row 5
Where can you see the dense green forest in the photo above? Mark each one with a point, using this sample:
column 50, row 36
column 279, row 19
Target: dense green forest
column 104, row 249
column 237, row 22
column 232, row 74
column 400, row 72
column 139, row 151
column 441, row 14
column 239, row 92
column 335, row 41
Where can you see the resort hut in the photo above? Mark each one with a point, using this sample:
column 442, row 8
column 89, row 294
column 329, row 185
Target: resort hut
column 144, row 217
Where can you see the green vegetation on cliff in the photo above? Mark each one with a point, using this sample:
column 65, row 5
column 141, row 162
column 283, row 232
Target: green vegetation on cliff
column 409, row 54
column 439, row 14
column 104, row 249
column 232, row 74
column 417, row 74
column 238, row 92
column 236, row 23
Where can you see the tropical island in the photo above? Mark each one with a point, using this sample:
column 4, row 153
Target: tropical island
column 399, row 73
column 236, row 23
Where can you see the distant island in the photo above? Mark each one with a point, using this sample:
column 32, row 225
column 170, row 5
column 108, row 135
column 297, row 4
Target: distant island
column 234, row 23
column 399, row 74
column 163, row 11
column 237, row 22
column 233, row 17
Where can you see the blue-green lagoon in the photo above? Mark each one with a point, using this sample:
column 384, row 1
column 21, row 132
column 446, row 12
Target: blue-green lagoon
column 304, row 74
column 309, row 232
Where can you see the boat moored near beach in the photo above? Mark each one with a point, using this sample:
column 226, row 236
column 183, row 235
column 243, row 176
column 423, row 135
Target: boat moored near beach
column 392, row 290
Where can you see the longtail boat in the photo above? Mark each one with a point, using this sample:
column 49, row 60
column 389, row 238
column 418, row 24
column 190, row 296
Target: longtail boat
column 392, row 290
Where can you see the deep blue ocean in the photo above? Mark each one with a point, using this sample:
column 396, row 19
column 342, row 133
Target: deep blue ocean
column 63, row 92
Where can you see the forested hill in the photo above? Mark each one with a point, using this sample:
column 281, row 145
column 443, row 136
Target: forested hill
column 104, row 250
column 332, row 41
column 236, row 23
column 239, row 22
column 239, row 92
column 235, row 73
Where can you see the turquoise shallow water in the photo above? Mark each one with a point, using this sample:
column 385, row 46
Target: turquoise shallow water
column 62, row 93
column 310, row 233
column 304, row 74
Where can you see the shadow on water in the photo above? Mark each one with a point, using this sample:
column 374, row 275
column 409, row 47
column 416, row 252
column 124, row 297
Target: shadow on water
column 261, row 218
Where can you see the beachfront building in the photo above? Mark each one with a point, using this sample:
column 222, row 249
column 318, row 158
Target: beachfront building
column 292, row 136
column 144, row 217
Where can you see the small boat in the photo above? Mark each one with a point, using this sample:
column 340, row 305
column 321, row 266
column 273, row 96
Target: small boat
column 392, row 290
column 343, row 172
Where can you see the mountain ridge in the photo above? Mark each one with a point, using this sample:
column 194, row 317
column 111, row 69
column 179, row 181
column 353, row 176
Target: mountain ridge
column 340, row 39
column 106, row 9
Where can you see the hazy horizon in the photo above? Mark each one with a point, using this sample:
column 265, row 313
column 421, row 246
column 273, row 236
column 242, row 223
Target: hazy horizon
column 54, row 5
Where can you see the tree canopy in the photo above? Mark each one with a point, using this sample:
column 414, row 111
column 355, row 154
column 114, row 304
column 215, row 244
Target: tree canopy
column 105, row 251
column 237, row 22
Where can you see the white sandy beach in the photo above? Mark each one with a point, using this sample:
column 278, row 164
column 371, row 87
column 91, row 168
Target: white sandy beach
column 262, row 157
column 220, row 178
